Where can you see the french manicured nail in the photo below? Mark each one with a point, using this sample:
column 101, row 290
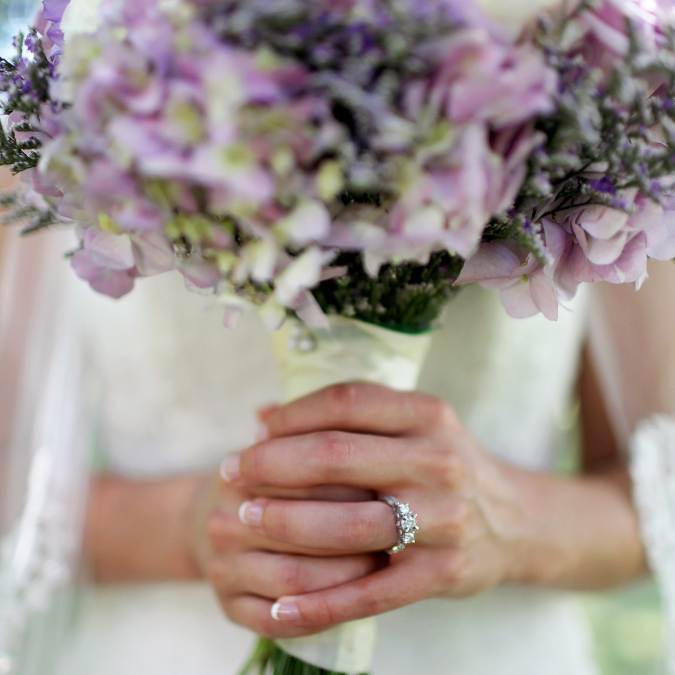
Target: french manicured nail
column 285, row 610
column 229, row 468
column 251, row 513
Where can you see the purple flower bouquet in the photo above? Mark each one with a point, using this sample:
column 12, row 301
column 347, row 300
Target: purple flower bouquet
column 362, row 157
column 358, row 159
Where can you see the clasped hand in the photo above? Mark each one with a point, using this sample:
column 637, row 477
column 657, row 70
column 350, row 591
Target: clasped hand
column 299, row 536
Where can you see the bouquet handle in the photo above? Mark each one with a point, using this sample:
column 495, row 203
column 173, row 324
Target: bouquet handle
column 348, row 350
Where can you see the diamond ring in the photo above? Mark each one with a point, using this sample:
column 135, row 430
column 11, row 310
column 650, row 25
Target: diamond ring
column 406, row 524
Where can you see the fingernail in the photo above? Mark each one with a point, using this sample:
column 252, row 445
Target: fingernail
column 262, row 433
column 251, row 513
column 285, row 610
column 229, row 468
column 266, row 411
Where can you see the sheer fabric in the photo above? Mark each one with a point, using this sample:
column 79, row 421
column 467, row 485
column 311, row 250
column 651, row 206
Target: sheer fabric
column 633, row 339
column 43, row 437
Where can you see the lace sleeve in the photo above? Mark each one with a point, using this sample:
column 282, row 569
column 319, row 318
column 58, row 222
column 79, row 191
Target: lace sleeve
column 633, row 345
column 653, row 471
column 43, row 441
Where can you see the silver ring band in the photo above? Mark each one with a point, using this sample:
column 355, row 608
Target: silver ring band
column 406, row 524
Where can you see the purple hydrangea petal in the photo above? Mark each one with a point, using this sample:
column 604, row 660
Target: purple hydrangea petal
column 153, row 254
column 110, row 282
column 111, row 251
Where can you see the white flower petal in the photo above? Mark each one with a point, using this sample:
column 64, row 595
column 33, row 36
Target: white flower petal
column 308, row 222
column 260, row 258
column 425, row 223
column 303, row 273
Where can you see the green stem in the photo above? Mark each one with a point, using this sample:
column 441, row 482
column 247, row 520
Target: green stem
column 269, row 659
column 259, row 658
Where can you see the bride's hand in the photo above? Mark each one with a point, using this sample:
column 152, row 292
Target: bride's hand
column 411, row 446
column 249, row 571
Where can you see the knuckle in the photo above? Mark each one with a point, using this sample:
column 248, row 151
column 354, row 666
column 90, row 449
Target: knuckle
column 425, row 460
column 218, row 576
column 214, row 527
column 222, row 530
column 458, row 524
column 282, row 419
column 344, row 395
column 440, row 413
column 292, row 577
column 276, row 522
column 323, row 613
column 436, row 410
column 449, row 470
column 254, row 463
column 439, row 467
column 337, row 449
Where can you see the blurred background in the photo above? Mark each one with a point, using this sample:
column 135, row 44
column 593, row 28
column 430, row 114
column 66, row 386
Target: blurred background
column 627, row 625
column 13, row 15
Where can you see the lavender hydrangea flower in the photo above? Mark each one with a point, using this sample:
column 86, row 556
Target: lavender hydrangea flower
column 526, row 286
column 106, row 262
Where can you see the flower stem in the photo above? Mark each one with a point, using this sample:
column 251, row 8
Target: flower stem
column 269, row 659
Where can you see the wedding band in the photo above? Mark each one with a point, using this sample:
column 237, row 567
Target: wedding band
column 406, row 524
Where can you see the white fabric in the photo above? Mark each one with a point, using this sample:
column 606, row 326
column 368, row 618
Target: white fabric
column 179, row 392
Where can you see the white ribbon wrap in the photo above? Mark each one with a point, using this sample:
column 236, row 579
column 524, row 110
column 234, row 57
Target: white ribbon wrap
column 349, row 350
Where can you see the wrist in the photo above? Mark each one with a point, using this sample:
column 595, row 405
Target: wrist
column 531, row 556
column 139, row 530
column 179, row 496
column 570, row 529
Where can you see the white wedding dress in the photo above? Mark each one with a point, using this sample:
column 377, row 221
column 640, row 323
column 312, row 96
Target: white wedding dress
column 177, row 391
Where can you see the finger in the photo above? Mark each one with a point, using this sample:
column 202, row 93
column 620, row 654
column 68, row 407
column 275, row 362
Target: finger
column 337, row 458
column 388, row 589
column 272, row 575
column 326, row 493
column 359, row 407
column 231, row 495
column 256, row 614
column 347, row 527
column 226, row 534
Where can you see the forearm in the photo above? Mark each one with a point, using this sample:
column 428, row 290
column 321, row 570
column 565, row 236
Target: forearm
column 137, row 529
column 578, row 532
